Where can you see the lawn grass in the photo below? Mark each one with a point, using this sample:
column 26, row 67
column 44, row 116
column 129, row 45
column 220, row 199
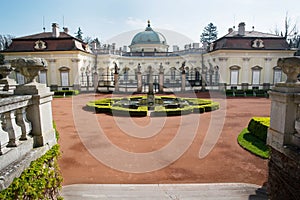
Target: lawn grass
column 252, row 144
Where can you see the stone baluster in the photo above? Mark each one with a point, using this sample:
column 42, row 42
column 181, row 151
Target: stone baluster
column 3, row 135
column 23, row 122
column 10, row 126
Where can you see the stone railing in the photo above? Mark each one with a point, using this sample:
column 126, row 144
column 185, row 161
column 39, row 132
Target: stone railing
column 284, row 134
column 26, row 126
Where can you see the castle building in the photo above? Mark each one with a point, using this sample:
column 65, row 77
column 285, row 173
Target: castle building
column 239, row 60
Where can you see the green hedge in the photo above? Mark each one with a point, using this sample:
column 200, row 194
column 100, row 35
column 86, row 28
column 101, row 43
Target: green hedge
column 251, row 143
column 66, row 92
column 139, row 106
column 246, row 93
column 42, row 180
column 259, row 127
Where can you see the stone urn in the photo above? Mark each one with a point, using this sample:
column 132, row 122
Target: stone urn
column 291, row 67
column 5, row 70
column 6, row 83
column 29, row 67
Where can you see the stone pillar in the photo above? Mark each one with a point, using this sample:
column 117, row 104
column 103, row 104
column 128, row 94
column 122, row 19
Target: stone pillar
column 96, row 80
column 245, row 86
column 183, row 81
column 161, row 82
column 53, row 74
column 40, row 111
column 139, row 82
column 245, row 72
column 116, row 82
column 150, row 81
column 75, row 72
column 267, row 70
column 284, row 135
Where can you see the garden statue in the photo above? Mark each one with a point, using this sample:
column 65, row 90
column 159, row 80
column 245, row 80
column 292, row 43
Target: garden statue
column 182, row 67
column 161, row 69
column 116, row 68
column 139, row 68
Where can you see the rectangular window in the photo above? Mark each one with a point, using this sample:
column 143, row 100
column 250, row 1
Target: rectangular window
column 277, row 76
column 172, row 74
column 64, row 78
column 43, row 77
column 20, row 78
column 234, row 77
column 255, row 77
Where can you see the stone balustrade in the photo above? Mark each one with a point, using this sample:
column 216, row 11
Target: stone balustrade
column 284, row 134
column 15, row 128
column 26, row 124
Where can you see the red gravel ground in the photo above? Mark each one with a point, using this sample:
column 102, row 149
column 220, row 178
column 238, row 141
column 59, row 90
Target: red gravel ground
column 227, row 162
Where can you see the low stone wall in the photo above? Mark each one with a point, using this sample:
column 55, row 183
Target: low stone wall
column 284, row 177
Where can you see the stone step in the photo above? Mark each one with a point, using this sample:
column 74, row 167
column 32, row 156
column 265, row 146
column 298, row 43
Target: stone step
column 220, row 191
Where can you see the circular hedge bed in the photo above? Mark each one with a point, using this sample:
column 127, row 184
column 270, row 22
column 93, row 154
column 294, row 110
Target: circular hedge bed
column 138, row 106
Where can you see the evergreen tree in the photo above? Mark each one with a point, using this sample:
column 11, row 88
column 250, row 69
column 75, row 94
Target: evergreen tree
column 1, row 59
column 79, row 34
column 209, row 33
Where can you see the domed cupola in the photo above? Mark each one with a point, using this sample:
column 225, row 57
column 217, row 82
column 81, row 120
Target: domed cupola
column 149, row 41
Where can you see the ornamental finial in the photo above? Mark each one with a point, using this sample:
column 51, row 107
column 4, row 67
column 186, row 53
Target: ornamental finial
column 148, row 23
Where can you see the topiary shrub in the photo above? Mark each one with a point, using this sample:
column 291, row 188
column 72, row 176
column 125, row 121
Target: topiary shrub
column 66, row 92
column 259, row 127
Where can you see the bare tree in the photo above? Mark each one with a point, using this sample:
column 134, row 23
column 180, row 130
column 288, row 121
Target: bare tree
column 290, row 32
column 5, row 41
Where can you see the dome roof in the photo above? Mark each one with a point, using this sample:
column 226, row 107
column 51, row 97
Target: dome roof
column 149, row 36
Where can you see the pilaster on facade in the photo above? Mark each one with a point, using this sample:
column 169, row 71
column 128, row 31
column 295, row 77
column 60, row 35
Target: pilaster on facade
column 246, row 59
column 75, row 60
column 51, row 60
column 223, row 58
column 268, row 59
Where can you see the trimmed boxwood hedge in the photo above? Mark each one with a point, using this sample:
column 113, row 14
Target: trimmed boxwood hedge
column 66, row 92
column 259, row 127
column 42, row 180
column 116, row 106
column 253, row 138
column 252, row 144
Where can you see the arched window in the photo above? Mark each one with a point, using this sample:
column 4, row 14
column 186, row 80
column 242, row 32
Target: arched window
column 187, row 73
column 256, row 71
column 197, row 75
column 64, row 76
column 20, row 78
column 125, row 73
column 234, row 75
column 43, row 77
column 277, row 75
column 173, row 73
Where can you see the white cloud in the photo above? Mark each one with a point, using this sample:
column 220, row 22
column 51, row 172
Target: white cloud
column 135, row 22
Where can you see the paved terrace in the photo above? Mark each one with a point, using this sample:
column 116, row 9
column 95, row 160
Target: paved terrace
column 226, row 163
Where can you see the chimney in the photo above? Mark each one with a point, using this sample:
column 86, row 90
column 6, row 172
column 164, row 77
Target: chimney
column 175, row 48
column 66, row 30
column 241, row 30
column 55, row 30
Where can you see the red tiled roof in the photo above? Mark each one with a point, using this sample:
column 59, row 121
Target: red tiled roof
column 244, row 42
column 64, row 42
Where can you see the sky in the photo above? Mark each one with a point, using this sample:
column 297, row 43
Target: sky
column 107, row 19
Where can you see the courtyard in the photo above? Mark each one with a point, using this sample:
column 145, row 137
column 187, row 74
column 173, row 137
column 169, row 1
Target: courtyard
column 227, row 162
